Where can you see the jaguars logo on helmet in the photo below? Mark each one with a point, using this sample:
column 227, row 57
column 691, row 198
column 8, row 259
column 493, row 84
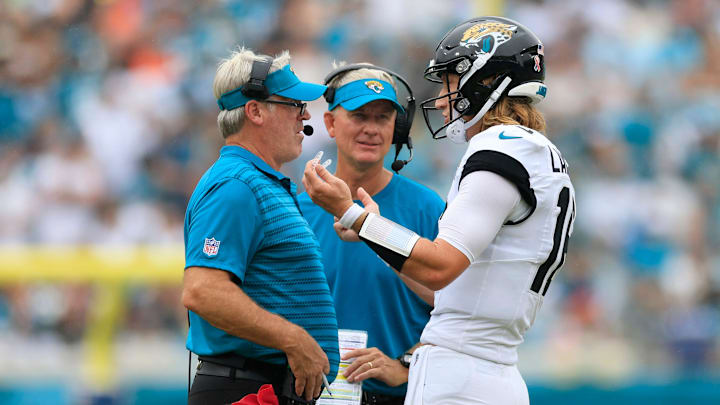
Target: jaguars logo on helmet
column 487, row 36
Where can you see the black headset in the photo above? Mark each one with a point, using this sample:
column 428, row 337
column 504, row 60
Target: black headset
column 403, row 121
column 255, row 87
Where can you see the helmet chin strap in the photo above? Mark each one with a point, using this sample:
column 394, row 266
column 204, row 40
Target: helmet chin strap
column 457, row 130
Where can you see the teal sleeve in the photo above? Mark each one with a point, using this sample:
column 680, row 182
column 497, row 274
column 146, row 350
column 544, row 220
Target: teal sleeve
column 224, row 229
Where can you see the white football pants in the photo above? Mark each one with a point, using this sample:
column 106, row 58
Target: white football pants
column 440, row 376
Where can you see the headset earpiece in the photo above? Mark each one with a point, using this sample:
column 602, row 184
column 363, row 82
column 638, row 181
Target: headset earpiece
column 409, row 116
column 255, row 87
column 402, row 131
column 329, row 94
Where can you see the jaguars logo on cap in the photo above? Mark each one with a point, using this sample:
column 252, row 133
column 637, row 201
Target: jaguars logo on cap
column 375, row 86
column 488, row 36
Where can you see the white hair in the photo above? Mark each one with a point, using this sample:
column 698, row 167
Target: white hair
column 359, row 74
column 231, row 74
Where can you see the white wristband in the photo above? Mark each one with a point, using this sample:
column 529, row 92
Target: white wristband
column 351, row 215
column 388, row 234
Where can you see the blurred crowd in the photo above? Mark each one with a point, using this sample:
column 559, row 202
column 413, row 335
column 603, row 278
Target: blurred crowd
column 107, row 121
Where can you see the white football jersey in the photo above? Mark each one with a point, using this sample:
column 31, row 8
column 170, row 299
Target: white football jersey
column 487, row 309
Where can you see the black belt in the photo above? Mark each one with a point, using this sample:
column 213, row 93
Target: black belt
column 219, row 370
column 236, row 366
column 372, row 398
column 244, row 363
column 239, row 367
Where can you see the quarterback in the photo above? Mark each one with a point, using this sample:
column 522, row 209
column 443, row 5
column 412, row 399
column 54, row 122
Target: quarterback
column 505, row 231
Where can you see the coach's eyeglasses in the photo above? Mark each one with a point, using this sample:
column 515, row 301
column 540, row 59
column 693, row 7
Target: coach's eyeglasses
column 301, row 106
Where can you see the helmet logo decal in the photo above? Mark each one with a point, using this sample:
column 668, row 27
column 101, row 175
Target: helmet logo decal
column 542, row 91
column 375, row 86
column 537, row 66
column 487, row 36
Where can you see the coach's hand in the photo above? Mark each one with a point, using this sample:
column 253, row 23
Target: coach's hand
column 372, row 363
column 347, row 234
column 308, row 363
column 326, row 190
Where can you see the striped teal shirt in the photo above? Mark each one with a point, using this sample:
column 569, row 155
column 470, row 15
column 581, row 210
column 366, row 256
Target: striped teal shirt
column 243, row 218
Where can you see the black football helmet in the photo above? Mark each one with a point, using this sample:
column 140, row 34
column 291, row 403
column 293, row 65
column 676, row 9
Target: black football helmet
column 478, row 49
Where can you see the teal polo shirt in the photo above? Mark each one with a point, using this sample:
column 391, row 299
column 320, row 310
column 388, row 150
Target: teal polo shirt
column 243, row 218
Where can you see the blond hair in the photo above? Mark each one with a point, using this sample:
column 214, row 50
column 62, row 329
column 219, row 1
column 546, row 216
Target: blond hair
column 514, row 111
column 231, row 74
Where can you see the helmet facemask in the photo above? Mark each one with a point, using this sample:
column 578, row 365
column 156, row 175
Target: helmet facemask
column 455, row 100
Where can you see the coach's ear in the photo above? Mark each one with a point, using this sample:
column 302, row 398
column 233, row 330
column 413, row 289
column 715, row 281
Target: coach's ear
column 253, row 112
column 329, row 118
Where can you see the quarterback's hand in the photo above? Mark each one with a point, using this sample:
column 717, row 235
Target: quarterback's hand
column 372, row 363
column 347, row 234
column 326, row 190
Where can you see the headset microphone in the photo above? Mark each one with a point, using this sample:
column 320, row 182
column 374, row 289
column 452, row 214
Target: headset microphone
column 308, row 130
column 398, row 165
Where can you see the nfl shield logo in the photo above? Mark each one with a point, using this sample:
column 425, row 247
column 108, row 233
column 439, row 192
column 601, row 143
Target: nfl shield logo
column 211, row 247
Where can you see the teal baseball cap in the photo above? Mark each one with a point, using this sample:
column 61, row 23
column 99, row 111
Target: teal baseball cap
column 356, row 94
column 282, row 82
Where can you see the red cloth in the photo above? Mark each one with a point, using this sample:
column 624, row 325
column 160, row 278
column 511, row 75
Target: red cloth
column 265, row 396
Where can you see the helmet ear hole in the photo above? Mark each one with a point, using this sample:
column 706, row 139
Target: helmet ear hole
column 477, row 92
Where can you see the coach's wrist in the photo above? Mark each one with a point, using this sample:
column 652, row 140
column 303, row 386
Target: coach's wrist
column 340, row 207
column 292, row 338
column 405, row 359
column 398, row 374
column 350, row 215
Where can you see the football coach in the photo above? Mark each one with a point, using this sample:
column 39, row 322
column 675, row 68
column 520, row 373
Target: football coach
column 259, row 304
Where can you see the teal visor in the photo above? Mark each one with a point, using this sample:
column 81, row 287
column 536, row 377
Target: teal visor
column 360, row 92
column 282, row 82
